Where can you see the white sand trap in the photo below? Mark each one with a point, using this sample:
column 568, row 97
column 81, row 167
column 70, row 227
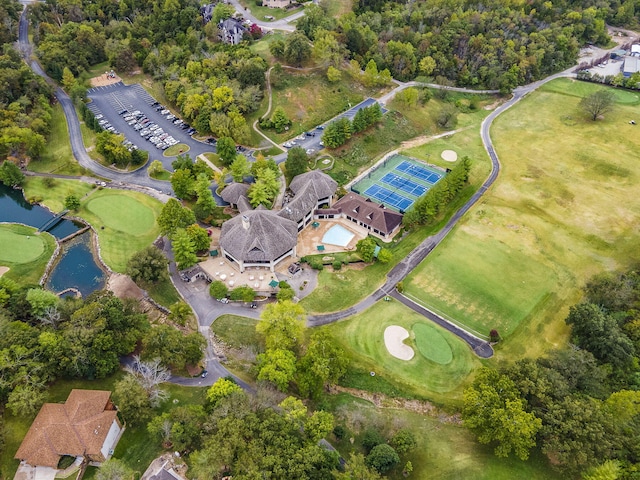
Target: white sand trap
column 3, row 270
column 449, row 155
column 393, row 337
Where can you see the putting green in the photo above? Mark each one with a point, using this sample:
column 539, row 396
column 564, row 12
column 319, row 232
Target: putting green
column 19, row 248
column 431, row 344
column 122, row 213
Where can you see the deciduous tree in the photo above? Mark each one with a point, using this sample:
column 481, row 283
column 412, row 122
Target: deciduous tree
column 282, row 325
column 598, row 103
column 148, row 265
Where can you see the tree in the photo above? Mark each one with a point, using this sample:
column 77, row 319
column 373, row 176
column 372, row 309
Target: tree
column 427, row 65
column 221, row 11
column 180, row 311
column 297, row 161
column 199, row 236
column 174, row 216
column 166, row 345
column 333, row 74
column 277, row 366
column 181, row 427
column 279, row 120
column 365, row 248
column 297, row 49
column 184, row 249
column 609, row 470
column 408, row 96
column 155, row 168
column 150, row 375
column 10, row 174
column 221, row 389
column 385, row 255
column 148, row 265
column 132, row 401
column 404, row 441
column 40, row 300
column 282, row 325
column 218, row 289
column 494, row 411
column 26, row 399
column 383, row 458
column 357, row 469
column 114, row 469
column 183, row 183
column 71, row 202
column 240, row 168
column 598, row 103
column 226, row 148
column 324, row 363
column 243, row 292
column 448, row 116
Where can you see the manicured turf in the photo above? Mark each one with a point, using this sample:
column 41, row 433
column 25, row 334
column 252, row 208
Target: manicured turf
column 236, row 331
column 362, row 336
column 562, row 210
column 177, row 149
column 18, row 247
column 125, row 222
column 25, row 252
column 431, row 344
column 122, row 213
column 52, row 192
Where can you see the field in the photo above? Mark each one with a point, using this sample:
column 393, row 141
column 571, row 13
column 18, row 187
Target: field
column 562, row 210
column 445, row 451
column 25, row 253
column 53, row 191
column 363, row 337
column 125, row 222
column 57, row 157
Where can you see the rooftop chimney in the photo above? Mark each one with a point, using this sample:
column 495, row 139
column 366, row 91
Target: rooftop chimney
column 245, row 222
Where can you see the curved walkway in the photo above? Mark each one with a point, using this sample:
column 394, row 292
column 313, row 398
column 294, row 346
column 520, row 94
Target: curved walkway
column 266, row 114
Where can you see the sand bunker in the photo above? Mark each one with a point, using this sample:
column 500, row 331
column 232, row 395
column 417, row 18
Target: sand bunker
column 393, row 337
column 3, row 270
column 449, row 156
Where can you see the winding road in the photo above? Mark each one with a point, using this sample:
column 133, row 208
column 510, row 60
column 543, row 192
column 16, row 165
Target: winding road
column 202, row 303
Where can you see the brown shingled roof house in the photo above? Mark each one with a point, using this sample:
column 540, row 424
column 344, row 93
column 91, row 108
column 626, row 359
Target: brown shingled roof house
column 85, row 425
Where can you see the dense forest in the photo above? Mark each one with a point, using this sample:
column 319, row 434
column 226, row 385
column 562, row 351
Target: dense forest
column 580, row 404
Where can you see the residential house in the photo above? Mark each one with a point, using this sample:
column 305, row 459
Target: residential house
column 231, row 31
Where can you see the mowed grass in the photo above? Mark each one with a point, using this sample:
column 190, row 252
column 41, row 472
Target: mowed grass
column 125, row 222
column 363, row 337
column 236, row 331
column 57, row 157
column 563, row 209
column 445, row 450
column 25, row 252
column 52, row 192
column 431, row 344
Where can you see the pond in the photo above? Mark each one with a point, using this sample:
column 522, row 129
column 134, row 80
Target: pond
column 76, row 268
column 15, row 209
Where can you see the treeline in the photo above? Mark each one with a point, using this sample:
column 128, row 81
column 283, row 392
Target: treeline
column 212, row 84
column 10, row 14
column 25, row 112
column 338, row 132
column 432, row 203
column 632, row 82
column 494, row 44
column 580, row 405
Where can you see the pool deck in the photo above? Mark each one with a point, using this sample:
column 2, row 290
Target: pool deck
column 310, row 238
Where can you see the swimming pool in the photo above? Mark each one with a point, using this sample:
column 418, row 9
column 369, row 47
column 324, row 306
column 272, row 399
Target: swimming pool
column 338, row 235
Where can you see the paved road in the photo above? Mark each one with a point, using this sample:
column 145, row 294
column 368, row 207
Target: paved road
column 283, row 24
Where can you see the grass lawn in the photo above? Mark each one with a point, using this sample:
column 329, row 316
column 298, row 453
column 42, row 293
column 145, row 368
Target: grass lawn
column 163, row 292
column 261, row 12
column 164, row 175
column 236, row 331
column 337, row 8
column 562, row 210
column 52, row 192
column 57, row 157
column 177, row 149
column 363, row 337
column 25, row 252
column 125, row 222
column 431, row 343
column 445, row 451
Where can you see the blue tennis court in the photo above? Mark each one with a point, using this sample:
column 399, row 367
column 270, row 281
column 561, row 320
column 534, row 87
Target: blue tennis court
column 404, row 184
column 387, row 197
column 419, row 172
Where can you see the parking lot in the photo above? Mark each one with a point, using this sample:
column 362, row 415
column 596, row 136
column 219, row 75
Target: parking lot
column 146, row 124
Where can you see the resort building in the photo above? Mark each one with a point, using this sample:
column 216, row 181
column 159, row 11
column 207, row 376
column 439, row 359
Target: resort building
column 380, row 221
column 233, row 192
column 86, row 425
column 312, row 190
column 258, row 238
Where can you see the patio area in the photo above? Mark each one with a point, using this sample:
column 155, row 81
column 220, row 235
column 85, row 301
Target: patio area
column 310, row 238
column 227, row 272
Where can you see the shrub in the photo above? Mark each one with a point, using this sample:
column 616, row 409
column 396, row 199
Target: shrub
column 372, row 437
column 339, row 431
column 382, row 458
column 337, row 265
column 494, row 336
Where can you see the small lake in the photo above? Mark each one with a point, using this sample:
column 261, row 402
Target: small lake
column 76, row 268
column 15, row 209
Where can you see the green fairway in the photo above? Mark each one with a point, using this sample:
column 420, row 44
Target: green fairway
column 363, row 337
column 125, row 222
column 431, row 344
column 18, row 247
column 51, row 192
column 563, row 209
column 25, row 252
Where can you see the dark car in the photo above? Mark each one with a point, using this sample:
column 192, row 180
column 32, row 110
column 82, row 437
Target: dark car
column 204, row 374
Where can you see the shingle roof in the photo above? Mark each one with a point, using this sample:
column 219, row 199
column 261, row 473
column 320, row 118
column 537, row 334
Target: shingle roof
column 243, row 204
column 258, row 236
column 77, row 427
column 323, row 185
column 234, row 191
column 368, row 212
